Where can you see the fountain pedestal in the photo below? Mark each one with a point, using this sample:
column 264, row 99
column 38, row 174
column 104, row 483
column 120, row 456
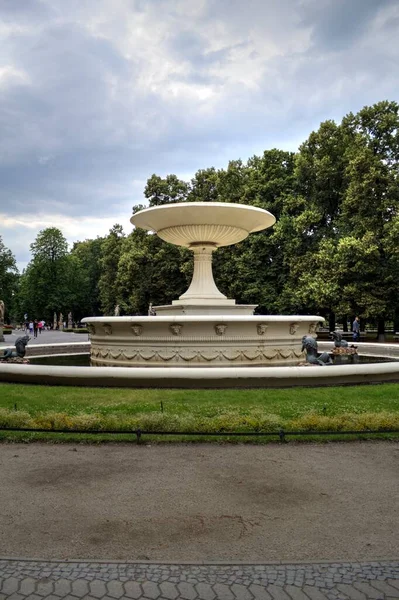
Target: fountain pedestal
column 203, row 297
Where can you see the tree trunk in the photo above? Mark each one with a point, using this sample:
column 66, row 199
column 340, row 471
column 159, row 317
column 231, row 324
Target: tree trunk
column 345, row 323
column 331, row 321
column 396, row 322
column 381, row 330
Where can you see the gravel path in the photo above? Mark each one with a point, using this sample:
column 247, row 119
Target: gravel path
column 200, row 502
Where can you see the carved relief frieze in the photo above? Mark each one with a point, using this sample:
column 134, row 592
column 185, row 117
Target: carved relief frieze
column 294, row 328
column 176, row 328
column 261, row 328
column 286, row 353
column 166, row 356
column 137, row 329
column 231, row 354
column 299, row 353
column 220, row 329
column 210, row 355
column 107, row 329
column 188, row 355
column 270, row 353
column 91, row 329
column 147, row 354
column 129, row 355
column 313, row 328
column 251, row 354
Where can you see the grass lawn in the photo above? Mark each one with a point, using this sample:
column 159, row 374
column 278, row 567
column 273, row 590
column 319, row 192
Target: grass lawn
column 324, row 409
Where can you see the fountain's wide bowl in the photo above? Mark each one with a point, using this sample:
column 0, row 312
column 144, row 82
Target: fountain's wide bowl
column 216, row 223
column 199, row 340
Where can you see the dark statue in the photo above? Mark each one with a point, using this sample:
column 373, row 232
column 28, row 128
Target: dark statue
column 342, row 353
column 20, row 347
column 312, row 356
column 338, row 341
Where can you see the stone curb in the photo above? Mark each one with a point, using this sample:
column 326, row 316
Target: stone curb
column 346, row 561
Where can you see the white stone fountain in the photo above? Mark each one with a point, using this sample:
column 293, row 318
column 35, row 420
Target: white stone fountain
column 203, row 328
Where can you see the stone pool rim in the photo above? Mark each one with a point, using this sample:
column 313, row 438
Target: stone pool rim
column 203, row 377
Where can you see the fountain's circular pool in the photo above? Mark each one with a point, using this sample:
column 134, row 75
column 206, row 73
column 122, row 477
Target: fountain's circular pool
column 83, row 360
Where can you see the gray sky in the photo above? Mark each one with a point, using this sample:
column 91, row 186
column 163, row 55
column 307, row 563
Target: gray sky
column 96, row 95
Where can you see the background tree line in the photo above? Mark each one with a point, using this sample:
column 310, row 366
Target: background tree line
column 334, row 250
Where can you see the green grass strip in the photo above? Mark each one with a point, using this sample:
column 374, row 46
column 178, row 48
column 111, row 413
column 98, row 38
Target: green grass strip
column 360, row 408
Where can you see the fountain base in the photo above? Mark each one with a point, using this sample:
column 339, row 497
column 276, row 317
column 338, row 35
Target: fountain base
column 198, row 341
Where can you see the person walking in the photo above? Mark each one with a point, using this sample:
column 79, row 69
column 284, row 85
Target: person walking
column 31, row 327
column 356, row 329
column 35, row 327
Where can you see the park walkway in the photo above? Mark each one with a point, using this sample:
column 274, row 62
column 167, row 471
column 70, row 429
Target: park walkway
column 46, row 338
column 33, row 580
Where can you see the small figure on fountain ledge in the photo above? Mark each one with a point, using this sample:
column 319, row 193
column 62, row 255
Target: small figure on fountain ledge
column 17, row 356
column 312, row 356
column 338, row 341
column 341, row 346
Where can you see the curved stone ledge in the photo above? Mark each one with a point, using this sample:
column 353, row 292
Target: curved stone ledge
column 206, row 377
column 57, row 349
column 203, row 377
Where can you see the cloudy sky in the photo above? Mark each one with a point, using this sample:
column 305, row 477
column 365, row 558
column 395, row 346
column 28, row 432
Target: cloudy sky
column 96, row 95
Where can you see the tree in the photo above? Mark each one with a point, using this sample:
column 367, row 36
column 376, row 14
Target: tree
column 342, row 223
column 110, row 255
column 204, row 186
column 88, row 255
column 162, row 191
column 150, row 271
column 8, row 280
column 46, row 283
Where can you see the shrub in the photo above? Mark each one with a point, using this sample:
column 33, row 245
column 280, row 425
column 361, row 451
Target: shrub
column 74, row 330
column 228, row 421
column 15, row 418
column 345, row 422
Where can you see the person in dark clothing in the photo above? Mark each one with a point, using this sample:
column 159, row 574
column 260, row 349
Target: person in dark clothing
column 356, row 329
column 35, row 325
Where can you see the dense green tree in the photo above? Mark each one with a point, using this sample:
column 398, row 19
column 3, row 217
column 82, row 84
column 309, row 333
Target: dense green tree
column 253, row 271
column 88, row 255
column 150, row 271
column 204, row 186
column 110, row 255
column 52, row 280
column 342, row 224
column 163, row 191
column 8, row 280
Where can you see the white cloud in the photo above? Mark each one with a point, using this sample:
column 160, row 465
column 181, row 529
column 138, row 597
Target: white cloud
column 19, row 232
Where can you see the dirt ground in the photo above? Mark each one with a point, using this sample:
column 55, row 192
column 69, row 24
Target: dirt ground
column 200, row 502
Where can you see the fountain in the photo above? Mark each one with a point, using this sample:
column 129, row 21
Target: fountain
column 203, row 328
column 202, row 339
